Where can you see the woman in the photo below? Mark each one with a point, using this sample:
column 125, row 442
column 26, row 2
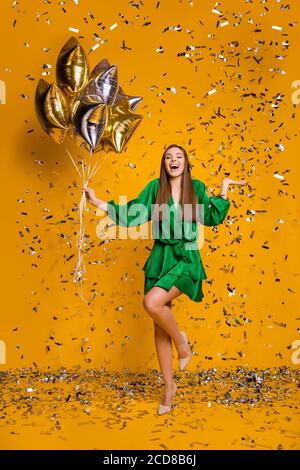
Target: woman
column 175, row 202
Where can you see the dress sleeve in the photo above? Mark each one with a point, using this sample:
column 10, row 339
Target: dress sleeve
column 214, row 208
column 136, row 211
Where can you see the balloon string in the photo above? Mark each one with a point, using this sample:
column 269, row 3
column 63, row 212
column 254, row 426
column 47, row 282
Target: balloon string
column 76, row 167
column 85, row 177
column 83, row 170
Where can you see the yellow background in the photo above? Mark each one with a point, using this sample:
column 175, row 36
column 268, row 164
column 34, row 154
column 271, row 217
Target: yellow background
column 43, row 321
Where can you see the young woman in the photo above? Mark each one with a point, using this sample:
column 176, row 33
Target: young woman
column 176, row 203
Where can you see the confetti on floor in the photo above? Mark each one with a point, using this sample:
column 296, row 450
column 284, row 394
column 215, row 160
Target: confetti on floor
column 233, row 408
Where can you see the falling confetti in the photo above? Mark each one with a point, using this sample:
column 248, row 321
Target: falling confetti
column 218, row 80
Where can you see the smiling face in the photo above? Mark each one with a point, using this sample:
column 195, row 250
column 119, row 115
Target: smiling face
column 174, row 161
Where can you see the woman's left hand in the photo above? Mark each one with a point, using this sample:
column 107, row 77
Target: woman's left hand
column 228, row 181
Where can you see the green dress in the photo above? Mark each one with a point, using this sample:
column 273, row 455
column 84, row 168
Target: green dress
column 175, row 257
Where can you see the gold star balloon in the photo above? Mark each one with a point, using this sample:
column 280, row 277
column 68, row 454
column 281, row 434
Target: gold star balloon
column 133, row 101
column 52, row 109
column 72, row 68
column 121, row 124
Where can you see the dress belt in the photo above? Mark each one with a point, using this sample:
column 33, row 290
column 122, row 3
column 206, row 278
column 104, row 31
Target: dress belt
column 179, row 245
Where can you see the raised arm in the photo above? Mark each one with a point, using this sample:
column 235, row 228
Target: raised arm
column 135, row 212
column 215, row 207
column 225, row 184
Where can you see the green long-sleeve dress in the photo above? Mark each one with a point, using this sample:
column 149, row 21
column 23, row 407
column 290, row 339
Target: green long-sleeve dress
column 175, row 257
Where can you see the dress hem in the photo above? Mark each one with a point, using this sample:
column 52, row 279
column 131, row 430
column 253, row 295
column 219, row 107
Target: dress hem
column 163, row 283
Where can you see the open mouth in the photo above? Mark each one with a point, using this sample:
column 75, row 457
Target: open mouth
column 174, row 166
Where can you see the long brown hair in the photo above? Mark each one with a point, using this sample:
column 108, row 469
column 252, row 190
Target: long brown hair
column 187, row 193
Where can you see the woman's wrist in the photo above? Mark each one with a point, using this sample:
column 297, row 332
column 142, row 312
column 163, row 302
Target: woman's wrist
column 224, row 189
column 102, row 205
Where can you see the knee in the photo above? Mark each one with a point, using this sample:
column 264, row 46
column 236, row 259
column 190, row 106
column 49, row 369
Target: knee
column 149, row 305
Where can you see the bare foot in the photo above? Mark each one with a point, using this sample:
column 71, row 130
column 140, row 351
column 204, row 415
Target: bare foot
column 168, row 394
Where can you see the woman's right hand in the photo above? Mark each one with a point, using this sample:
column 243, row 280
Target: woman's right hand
column 91, row 196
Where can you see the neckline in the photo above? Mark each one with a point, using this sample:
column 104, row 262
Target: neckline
column 175, row 205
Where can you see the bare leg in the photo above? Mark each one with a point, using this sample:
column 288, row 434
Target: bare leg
column 164, row 350
column 155, row 303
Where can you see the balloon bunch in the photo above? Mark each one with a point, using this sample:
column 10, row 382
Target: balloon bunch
column 93, row 109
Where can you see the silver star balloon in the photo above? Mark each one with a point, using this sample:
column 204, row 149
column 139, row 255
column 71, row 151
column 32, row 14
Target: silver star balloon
column 89, row 116
column 107, row 81
column 103, row 66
